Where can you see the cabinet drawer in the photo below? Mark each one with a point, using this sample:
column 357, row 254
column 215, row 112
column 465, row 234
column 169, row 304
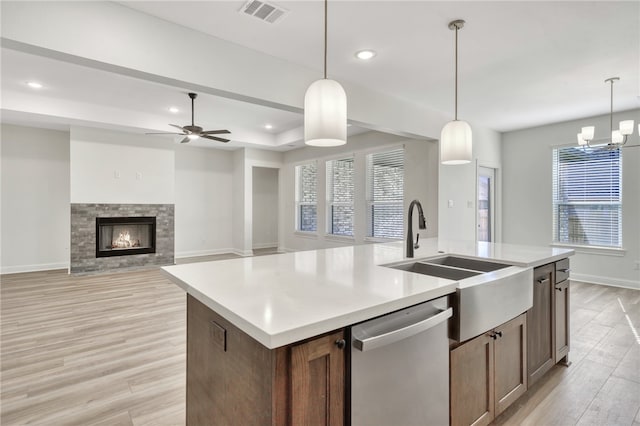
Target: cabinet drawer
column 562, row 270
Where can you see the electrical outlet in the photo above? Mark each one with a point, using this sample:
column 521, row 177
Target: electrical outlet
column 116, row 174
column 637, row 268
column 139, row 175
column 450, row 203
column 470, row 204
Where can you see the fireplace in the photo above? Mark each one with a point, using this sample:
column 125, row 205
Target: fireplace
column 123, row 236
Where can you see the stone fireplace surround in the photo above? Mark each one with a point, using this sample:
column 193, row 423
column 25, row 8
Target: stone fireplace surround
column 83, row 237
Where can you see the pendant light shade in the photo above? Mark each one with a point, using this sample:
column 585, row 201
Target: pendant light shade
column 456, row 146
column 325, row 114
column 325, row 108
column 455, row 143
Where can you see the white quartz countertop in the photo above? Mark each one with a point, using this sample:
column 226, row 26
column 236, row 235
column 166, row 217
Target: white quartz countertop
column 284, row 298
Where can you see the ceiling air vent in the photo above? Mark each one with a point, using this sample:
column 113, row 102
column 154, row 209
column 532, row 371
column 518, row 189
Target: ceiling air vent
column 264, row 11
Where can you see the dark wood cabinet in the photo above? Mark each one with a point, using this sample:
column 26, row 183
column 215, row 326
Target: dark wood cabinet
column 488, row 373
column 510, row 358
column 541, row 324
column 317, row 382
column 471, row 382
column 234, row 380
column 562, row 300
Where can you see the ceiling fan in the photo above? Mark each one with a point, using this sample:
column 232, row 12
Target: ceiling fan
column 192, row 132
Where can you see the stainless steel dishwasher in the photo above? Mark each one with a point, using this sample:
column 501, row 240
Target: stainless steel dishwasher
column 400, row 368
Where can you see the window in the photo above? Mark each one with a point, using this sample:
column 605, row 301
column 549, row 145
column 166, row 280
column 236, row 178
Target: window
column 385, row 194
column 587, row 199
column 306, row 198
column 340, row 196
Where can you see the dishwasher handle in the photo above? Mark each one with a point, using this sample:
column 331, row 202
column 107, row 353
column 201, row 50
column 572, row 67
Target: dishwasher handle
column 401, row 333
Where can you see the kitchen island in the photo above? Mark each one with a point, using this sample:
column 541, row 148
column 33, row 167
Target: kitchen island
column 266, row 335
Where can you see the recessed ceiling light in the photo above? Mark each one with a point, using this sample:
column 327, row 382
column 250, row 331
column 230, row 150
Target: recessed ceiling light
column 34, row 84
column 268, row 126
column 174, row 110
column 365, row 54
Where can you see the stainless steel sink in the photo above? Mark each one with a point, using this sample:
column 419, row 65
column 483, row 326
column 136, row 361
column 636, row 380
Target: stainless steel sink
column 435, row 270
column 488, row 293
column 466, row 263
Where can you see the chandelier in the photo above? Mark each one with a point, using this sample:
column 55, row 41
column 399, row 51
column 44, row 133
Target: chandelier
column 618, row 137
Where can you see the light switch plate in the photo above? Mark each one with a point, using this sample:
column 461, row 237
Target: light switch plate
column 450, row 203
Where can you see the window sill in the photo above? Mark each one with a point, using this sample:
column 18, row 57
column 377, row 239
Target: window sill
column 380, row 240
column 340, row 238
column 306, row 234
column 605, row 251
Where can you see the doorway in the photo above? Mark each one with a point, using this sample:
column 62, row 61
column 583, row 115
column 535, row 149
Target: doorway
column 265, row 210
column 486, row 204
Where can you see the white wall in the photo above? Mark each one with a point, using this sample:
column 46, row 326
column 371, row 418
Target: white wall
column 458, row 183
column 35, row 199
column 265, row 207
column 116, row 167
column 421, row 182
column 203, row 201
column 527, row 204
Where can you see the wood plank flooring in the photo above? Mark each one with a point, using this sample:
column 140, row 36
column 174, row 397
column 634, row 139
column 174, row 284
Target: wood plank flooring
column 104, row 349
column 602, row 385
column 110, row 350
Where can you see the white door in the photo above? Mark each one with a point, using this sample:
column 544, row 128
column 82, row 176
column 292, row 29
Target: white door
column 486, row 203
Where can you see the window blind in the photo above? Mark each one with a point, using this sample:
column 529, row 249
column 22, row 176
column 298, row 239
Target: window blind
column 306, row 197
column 340, row 196
column 385, row 193
column 587, row 197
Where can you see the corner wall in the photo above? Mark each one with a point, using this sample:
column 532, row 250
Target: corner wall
column 35, row 199
column 458, row 186
column 527, row 206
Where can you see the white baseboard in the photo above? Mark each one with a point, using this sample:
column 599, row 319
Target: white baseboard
column 33, row 268
column 285, row 250
column 197, row 253
column 265, row 245
column 614, row 282
column 243, row 253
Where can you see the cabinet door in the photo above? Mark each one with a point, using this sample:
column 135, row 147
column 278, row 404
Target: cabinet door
column 562, row 320
column 317, row 382
column 540, row 324
column 472, row 392
column 510, row 354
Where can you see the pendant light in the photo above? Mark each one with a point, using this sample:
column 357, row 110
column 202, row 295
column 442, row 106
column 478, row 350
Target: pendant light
column 325, row 108
column 455, row 139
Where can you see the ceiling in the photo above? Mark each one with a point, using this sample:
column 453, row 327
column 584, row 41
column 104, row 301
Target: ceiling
column 522, row 64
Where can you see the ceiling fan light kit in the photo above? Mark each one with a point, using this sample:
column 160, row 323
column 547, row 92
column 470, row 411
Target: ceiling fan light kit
column 325, row 108
column 618, row 137
column 456, row 146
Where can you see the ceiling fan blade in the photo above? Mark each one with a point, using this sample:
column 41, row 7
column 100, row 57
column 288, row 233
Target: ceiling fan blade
column 631, row 146
column 185, row 140
column 164, row 133
column 177, row 127
column 213, row 138
column 214, row 132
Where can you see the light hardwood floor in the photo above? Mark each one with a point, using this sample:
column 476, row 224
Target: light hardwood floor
column 110, row 350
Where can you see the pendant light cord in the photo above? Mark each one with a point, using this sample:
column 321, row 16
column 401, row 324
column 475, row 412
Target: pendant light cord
column 192, row 112
column 456, row 85
column 325, row 39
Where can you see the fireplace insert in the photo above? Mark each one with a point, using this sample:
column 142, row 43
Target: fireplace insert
column 123, row 236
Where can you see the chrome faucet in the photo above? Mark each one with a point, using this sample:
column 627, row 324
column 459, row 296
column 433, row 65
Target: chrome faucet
column 421, row 224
